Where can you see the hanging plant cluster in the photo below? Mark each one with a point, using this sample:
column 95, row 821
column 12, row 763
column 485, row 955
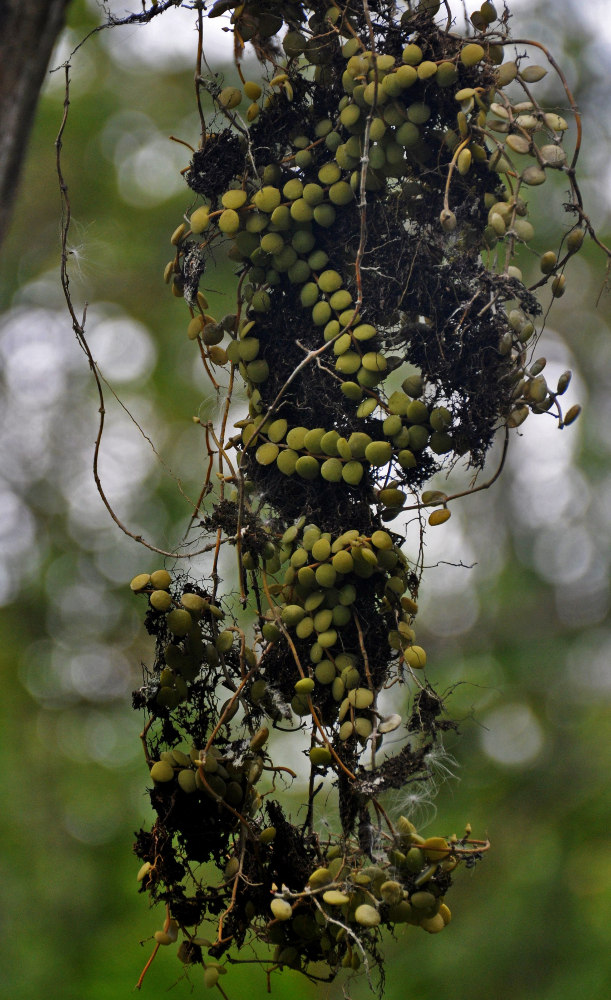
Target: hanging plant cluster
column 372, row 187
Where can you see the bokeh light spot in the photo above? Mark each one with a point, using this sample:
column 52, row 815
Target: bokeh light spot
column 512, row 736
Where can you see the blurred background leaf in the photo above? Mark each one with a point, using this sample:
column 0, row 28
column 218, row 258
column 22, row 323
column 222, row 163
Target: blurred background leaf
column 521, row 642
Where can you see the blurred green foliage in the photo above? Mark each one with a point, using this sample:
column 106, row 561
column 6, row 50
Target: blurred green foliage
column 522, row 641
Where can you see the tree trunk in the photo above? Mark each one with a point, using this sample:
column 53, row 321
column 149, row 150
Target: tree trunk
column 28, row 32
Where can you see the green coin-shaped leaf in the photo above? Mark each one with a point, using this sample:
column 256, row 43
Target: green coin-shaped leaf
column 312, row 440
column 160, row 579
column 307, row 467
column 229, row 221
column 267, row 199
column 276, row 430
column 161, row 600
column 352, row 473
column 326, row 576
column 321, row 549
column 286, row 461
column 381, row 540
column 378, row 453
column 471, row 54
column 179, row 622
column 292, row 614
column 358, row 442
column 331, row 470
column 266, row 453
column 162, row 772
column 325, row 672
column 341, row 193
column 257, row 371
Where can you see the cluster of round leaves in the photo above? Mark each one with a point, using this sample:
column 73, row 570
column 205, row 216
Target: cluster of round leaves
column 346, row 901
column 316, row 602
column 531, row 391
column 274, row 219
column 337, row 912
column 409, row 427
column 440, row 139
column 191, row 624
column 225, row 775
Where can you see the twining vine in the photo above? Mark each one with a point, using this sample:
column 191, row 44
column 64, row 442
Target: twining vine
column 372, row 187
